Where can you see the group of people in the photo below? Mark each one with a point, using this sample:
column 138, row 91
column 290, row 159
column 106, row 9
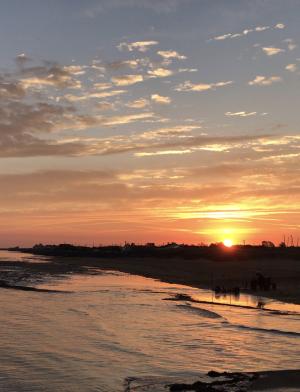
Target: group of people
column 262, row 283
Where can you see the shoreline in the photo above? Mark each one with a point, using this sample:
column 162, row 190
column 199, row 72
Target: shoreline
column 205, row 274
column 197, row 273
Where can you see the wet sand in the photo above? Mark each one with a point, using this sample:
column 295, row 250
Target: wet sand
column 199, row 273
column 208, row 274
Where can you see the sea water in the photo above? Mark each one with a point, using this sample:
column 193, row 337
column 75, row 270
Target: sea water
column 100, row 328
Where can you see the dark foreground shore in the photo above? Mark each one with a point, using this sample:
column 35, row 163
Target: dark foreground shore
column 204, row 273
column 201, row 273
column 277, row 381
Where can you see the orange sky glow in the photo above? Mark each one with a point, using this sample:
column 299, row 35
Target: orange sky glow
column 182, row 126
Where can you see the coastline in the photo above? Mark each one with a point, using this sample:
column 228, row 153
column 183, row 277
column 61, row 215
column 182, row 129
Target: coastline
column 198, row 273
column 206, row 274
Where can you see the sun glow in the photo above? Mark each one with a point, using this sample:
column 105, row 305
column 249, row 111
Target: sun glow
column 228, row 243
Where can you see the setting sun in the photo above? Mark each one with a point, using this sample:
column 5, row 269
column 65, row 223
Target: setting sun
column 228, row 243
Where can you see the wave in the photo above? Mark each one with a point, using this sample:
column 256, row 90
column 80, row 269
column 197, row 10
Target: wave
column 213, row 315
column 6, row 285
column 267, row 330
column 200, row 311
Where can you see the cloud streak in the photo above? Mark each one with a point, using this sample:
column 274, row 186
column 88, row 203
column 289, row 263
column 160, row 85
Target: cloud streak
column 200, row 87
column 291, row 67
column 160, row 99
column 141, row 46
column 272, row 51
column 240, row 114
column 260, row 80
column 127, row 80
column 257, row 29
column 171, row 54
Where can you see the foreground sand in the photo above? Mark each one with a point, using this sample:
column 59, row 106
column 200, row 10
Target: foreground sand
column 272, row 381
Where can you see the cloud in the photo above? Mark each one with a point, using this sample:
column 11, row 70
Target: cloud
column 241, row 34
column 21, row 132
column 75, row 69
column 51, row 76
column 187, row 70
column 165, row 152
column 31, row 124
column 56, row 121
column 160, row 99
column 126, row 119
column 135, row 144
column 138, row 103
column 160, row 73
column 169, row 132
column 11, row 89
column 171, row 54
column 127, row 80
column 261, row 28
column 264, row 80
column 102, row 86
column 291, row 67
column 93, row 95
column 55, row 191
column 222, row 37
column 200, row 87
column 245, row 32
column 271, row 51
column 81, row 122
column 141, row 46
column 240, row 114
column 21, row 137
column 117, row 65
column 165, row 139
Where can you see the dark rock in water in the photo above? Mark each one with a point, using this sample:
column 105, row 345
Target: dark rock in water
column 180, row 387
column 197, row 386
column 231, row 380
column 232, row 376
column 179, row 297
column 213, row 373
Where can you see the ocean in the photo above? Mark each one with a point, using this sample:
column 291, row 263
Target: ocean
column 99, row 328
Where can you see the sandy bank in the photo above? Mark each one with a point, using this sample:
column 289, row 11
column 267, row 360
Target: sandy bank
column 207, row 273
column 199, row 273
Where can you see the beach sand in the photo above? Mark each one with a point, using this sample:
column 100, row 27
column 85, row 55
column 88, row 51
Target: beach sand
column 208, row 274
column 198, row 273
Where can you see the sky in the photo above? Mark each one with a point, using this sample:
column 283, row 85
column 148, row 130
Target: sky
column 149, row 121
